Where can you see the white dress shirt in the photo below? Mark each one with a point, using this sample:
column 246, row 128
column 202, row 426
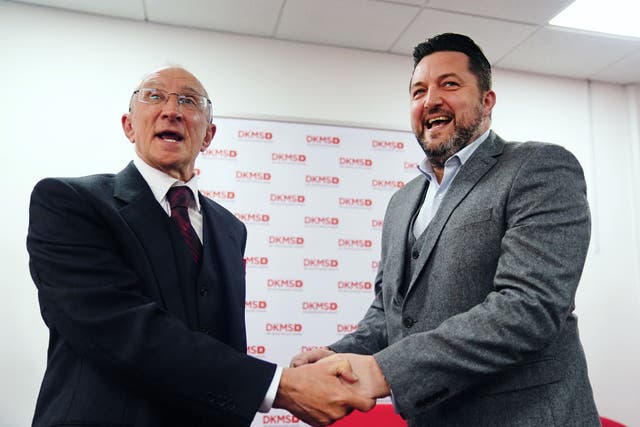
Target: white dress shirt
column 159, row 183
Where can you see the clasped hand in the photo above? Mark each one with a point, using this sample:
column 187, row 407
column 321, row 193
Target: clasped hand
column 371, row 381
column 321, row 386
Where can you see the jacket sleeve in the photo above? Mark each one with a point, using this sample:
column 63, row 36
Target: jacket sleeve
column 542, row 253
column 91, row 298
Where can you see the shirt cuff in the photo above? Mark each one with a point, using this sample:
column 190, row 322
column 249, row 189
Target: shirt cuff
column 267, row 403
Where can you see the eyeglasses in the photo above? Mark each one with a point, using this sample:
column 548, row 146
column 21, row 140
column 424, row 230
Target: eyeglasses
column 155, row 96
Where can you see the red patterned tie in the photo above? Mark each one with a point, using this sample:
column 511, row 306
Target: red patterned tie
column 179, row 199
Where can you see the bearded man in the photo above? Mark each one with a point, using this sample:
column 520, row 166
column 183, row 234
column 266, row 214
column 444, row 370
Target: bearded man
column 472, row 322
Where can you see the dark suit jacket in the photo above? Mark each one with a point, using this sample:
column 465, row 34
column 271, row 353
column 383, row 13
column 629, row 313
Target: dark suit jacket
column 130, row 343
column 485, row 335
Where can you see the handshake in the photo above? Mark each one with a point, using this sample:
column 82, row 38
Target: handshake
column 322, row 386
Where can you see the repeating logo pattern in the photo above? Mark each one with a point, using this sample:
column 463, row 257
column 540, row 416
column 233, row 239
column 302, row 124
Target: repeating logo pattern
column 313, row 199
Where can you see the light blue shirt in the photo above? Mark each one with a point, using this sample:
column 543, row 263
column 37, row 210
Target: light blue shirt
column 437, row 190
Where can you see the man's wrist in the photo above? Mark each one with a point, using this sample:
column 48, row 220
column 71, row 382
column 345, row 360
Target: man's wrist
column 270, row 396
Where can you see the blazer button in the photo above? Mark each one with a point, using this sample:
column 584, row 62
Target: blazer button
column 204, row 331
column 204, row 291
column 415, row 254
column 408, row 322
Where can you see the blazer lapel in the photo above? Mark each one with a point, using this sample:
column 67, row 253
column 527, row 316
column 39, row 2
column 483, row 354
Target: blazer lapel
column 216, row 245
column 483, row 159
column 146, row 219
column 223, row 269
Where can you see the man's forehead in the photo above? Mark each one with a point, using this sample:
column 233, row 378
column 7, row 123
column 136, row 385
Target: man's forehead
column 180, row 77
column 443, row 63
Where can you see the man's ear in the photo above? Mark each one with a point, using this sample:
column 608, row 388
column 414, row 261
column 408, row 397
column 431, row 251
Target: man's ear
column 211, row 131
column 489, row 101
column 128, row 128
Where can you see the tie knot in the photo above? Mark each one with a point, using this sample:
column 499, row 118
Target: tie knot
column 179, row 197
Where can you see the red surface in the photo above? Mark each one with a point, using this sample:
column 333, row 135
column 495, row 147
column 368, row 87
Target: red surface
column 384, row 416
column 380, row 416
column 606, row 422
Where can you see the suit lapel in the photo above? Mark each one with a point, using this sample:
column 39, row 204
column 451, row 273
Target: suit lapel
column 480, row 162
column 216, row 245
column 222, row 268
column 146, row 219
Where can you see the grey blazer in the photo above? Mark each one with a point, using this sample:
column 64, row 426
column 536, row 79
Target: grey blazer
column 485, row 335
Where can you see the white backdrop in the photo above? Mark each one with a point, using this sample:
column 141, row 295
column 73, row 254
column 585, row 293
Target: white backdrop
column 313, row 199
column 66, row 79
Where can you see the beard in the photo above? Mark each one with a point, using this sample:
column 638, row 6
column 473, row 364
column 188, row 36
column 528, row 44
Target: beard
column 462, row 136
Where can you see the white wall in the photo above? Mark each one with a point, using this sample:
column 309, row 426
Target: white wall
column 66, row 79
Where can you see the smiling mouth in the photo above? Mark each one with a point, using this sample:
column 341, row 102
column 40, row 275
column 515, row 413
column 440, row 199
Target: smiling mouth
column 170, row 136
column 436, row 122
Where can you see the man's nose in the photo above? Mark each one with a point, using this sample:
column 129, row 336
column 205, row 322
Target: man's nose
column 432, row 98
column 172, row 109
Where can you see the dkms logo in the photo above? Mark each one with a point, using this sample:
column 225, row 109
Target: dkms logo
column 283, row 328
column 256, row 261
column 289, row 158
column 219, row 194
column 219, row 153
column 321, row 180
column 255, row 135
column 285, row 284
column 386, row 184
column 256, row 350
column 320, row 263
column 354, row 286
column 288, row 241
column 319, row 307
column 280, row 420
column 387, row 145
column 255, row 305
column 321, row 221
column 253, row 217
column 355, row 203
column 253, row 176
column 287, row 199
column 355, row 244
column 325, row 141
column 356, row 162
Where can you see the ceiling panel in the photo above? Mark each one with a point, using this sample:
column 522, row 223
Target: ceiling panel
column 352, row 23
column 513, row 33
column 625, row 71
column 496, row 38
column 411, row 2
column 557, row 51
column 131, row 9
column 254, row 17
column 534, row 11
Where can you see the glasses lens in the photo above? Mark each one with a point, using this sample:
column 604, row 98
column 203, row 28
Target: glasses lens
column 152, row 96
column 193, row 102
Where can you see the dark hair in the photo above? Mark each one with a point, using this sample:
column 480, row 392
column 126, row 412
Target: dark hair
column 478, row 63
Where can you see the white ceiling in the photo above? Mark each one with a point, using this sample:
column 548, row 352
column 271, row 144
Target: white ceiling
column 513, row 33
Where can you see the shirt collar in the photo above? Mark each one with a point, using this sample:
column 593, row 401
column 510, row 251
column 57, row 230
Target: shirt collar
column 160, row 182
column 462, row 156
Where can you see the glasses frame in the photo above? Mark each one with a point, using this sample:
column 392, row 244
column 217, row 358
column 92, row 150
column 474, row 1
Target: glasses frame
column 205, row 106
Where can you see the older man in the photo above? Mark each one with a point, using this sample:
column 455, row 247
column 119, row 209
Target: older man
column 141, row 283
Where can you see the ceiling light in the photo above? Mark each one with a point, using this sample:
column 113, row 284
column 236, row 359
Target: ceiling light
column 618, row 17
